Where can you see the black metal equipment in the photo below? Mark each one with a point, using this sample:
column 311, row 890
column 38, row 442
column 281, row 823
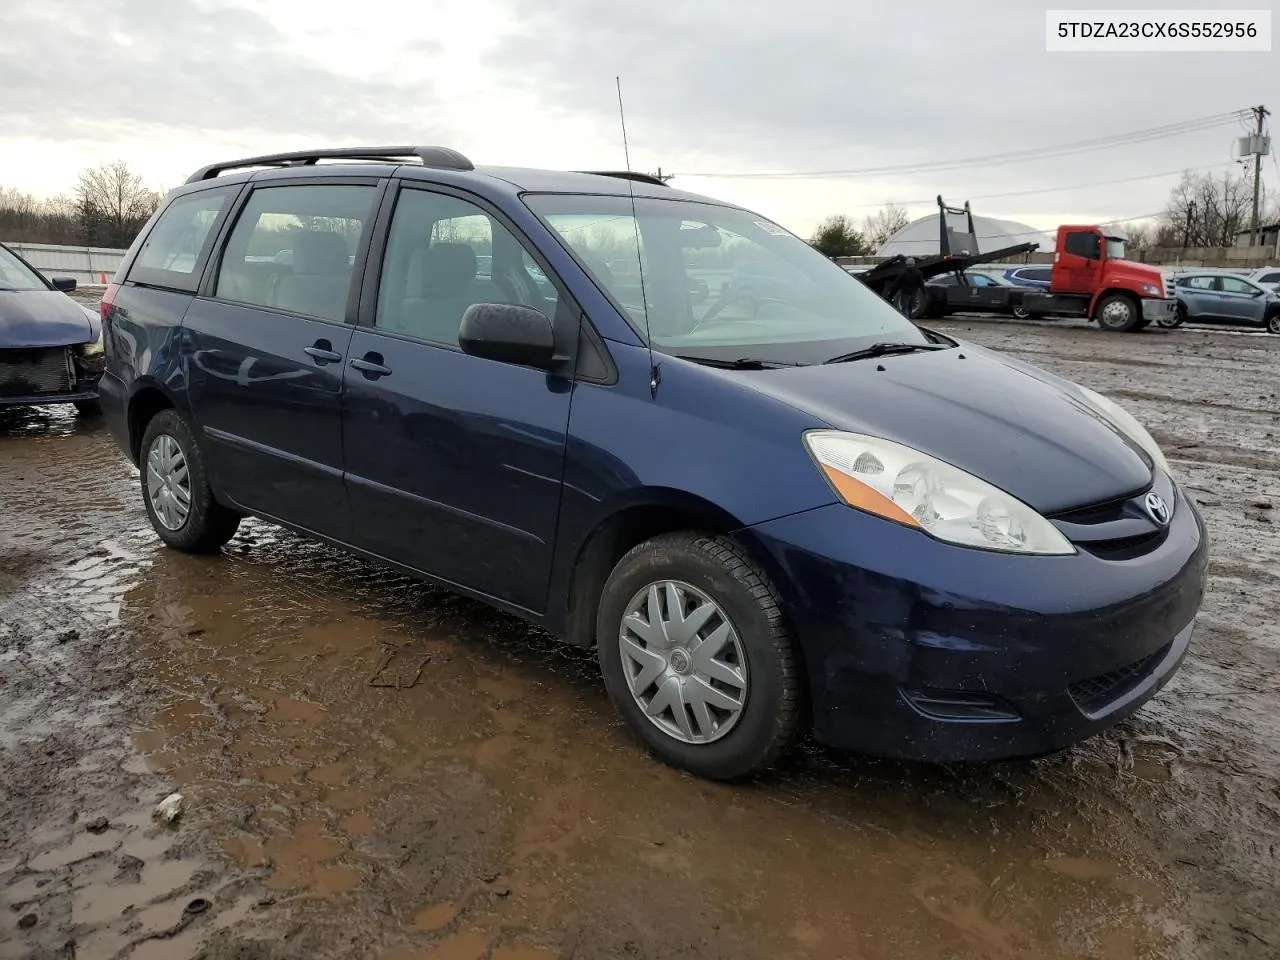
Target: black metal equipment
column 958, row 251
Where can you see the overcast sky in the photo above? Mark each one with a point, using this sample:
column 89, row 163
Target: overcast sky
column 711, row 86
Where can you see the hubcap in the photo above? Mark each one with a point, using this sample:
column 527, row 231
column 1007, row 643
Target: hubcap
column 168, row 482
column 1116, row 312
column 683, row 661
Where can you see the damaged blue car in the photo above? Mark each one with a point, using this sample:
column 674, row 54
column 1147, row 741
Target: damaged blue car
column 50, row 345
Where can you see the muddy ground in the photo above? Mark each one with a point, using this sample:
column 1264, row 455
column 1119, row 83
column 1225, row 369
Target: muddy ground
column 372, row 769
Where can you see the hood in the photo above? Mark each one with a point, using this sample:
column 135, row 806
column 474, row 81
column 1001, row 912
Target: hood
column 1134, row 272
column 1023, row 430
column 44, row 318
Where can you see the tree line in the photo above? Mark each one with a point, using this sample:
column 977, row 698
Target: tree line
column 108, row 206
column 1203, row 210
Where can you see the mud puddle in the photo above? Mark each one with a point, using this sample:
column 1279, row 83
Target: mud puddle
column 374, row 769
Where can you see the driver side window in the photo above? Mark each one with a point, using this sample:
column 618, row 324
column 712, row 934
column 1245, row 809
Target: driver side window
column 1083, row 245
column 443, row 255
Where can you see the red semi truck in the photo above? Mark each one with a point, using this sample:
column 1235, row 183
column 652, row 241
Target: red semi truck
column 1091, row 278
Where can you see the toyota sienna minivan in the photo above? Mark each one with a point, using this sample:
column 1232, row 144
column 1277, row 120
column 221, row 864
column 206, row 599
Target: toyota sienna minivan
column 767, row 515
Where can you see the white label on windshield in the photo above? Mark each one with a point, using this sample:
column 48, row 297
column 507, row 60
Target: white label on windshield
column 771, row 228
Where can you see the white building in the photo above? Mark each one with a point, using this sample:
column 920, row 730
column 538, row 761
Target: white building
column 920, row 237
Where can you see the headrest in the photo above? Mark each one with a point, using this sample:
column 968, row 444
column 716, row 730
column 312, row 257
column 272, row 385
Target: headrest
column 320, row 252
column 442, row 270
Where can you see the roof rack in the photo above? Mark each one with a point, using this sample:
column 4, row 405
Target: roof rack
column 440, row 157
column 627, row 175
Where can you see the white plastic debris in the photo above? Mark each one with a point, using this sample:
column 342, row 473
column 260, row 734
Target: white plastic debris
column 168, row 809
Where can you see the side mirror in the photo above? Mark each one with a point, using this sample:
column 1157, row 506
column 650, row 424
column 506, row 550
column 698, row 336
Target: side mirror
column 508, row 333
column 65, row 284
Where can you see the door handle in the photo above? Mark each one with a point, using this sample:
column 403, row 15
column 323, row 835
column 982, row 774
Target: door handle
column 322, row 352
column 371, row 366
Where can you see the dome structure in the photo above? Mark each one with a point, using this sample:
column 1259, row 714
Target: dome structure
column 919, row 238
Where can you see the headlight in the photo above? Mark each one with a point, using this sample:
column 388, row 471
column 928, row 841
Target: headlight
column 917, row 490
column 1151, row 290
column 1123, row 421
column 95, row 348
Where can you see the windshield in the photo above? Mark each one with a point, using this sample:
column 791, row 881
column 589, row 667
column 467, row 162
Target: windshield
column 16, row 275
column 720, row 283
column 1115, row 248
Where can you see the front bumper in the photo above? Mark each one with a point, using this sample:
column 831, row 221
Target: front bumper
column 82, row 393
column 1158, row 309
column 919, row 650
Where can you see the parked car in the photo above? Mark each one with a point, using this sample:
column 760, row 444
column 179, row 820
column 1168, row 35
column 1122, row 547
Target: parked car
column 1266, row 277
column 50, row 346
column 977, row 292
column 1035, row 276
column 1222, row 298
column 810, row 514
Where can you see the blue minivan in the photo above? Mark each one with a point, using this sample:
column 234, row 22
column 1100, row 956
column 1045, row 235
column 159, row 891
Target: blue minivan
column 768, row 516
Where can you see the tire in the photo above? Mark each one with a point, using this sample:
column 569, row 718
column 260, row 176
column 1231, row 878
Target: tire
column 702, row 568
column 89, row 408
column 1178, row 319
column 1118, row 313
column 1273, row 322
column 207, row 524
column 1021, row 313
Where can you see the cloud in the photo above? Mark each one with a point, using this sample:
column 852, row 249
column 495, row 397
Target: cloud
column 753, row 85
column 185, row 65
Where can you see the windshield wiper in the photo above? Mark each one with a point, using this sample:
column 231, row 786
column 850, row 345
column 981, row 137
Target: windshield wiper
column 884, row 350
column 745, row 363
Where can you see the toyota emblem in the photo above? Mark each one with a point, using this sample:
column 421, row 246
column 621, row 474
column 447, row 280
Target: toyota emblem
column 1157, row 509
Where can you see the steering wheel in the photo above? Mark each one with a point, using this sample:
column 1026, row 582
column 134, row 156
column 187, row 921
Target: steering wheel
column 749, row 301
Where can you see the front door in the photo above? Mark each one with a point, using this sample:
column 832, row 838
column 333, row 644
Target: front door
column 454, row 463
column 1242, row 302
column 266, row 352
column 1079, row 262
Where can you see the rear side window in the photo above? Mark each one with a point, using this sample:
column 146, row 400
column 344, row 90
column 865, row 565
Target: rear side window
column 1271, row 278
column 293, row 248
column 1201, row 283
column 1039, row 274
column 175, row 251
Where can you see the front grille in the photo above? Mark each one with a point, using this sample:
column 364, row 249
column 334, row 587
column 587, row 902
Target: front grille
column 1125, row 548
column 32, row 371
column 1119, row 529
column 1097, row 693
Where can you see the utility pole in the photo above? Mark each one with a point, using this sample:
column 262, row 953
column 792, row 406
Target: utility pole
column 1259, row 113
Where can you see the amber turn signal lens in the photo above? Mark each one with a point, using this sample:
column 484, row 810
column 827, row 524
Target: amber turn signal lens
column 859, row 495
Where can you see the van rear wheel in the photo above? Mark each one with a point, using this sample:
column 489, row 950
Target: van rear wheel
column 696, row 656
column 175, row 489
column 1118, row 313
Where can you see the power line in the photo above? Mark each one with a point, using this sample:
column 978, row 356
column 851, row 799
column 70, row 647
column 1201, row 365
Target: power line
column 1074, row 186
column 1016, row 156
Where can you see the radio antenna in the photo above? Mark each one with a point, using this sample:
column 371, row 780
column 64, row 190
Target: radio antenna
column 655, row 374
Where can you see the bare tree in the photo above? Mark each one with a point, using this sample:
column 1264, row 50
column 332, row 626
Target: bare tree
column 1141, row 238
column 25, row 218
column 884, row 223
column 113, row 203
column 836, row 236
column 1206, row 211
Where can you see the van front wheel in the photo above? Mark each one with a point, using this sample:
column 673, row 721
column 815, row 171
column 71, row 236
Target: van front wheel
column 697, row 658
